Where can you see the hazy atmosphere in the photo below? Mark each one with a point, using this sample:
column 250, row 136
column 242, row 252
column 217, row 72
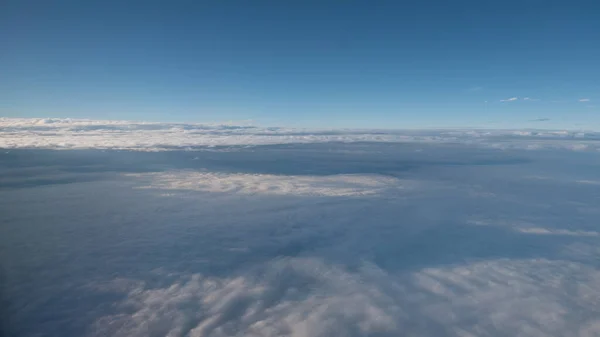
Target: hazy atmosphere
column 299, row 168
column 141, row 229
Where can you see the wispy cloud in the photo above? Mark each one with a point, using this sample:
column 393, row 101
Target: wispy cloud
column 512, row 99
column 584, row 100
column 531, row 99
column 474, row 89
column 539, row 120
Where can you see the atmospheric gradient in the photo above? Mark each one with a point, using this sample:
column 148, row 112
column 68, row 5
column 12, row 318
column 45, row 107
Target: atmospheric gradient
column 118, row 228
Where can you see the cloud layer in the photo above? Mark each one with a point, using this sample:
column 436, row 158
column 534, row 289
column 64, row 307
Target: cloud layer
column 353, row 239
column 140, row 136
column 309, row 298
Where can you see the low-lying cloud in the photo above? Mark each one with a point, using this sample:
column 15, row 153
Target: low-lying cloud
column 267, row 184
column 354, row 239
column 311, row 298
column 64, row 134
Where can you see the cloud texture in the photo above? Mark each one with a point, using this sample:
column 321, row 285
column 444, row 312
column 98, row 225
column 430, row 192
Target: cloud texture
column 263, row 184
column 320, row 239
column 306, row 297
column 142, row 136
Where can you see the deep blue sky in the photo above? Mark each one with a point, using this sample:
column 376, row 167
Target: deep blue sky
column 305, row 63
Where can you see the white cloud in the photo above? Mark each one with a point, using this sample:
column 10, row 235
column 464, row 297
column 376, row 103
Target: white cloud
column 532, row 229
column 295, row 297
column 311, row 298
column 545, row 231
column 584, row 100
column 267, row 184
column 142, row 136
column 512, row 99
column 589, row 182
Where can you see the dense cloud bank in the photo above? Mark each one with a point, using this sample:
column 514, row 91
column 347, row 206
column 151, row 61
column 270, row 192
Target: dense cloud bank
column 144, row 136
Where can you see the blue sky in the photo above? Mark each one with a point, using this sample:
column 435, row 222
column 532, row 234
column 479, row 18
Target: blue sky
column 395, row 64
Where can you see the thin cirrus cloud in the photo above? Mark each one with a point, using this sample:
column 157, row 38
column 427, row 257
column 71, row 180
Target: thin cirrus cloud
column 474, row 89
column 540, row 120
column 529, row 99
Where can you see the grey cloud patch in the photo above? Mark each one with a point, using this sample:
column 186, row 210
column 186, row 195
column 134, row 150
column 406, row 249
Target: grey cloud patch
column 540, row 120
